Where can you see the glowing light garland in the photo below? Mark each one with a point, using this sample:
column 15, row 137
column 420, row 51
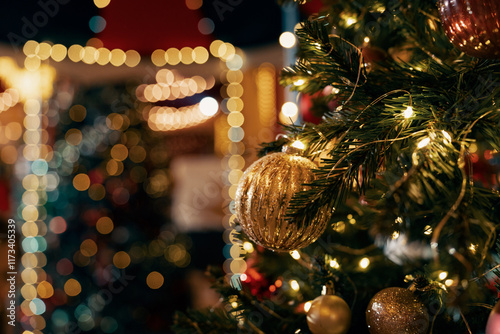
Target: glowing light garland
column 169, row 118
column 235, row 265
column 39, row 181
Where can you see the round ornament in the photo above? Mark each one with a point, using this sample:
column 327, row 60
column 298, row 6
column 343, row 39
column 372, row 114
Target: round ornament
column 396, row 310
column 263, row 195
column 493, row 324
column 472, row 26
column 329, row 314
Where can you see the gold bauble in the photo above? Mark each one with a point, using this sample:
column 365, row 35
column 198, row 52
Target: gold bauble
column 329, row 314
column 264, row 192
column 396, row 310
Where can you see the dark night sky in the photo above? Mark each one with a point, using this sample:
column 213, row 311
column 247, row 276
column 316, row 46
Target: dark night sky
column 141, row 25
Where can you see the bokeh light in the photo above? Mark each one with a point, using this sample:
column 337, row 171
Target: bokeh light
column 155, row 280
column 45, row 290
column 104, row 225
column 57, row 225
column 81, row 182
column 287, row 40
column 72, row 287
column 88, row 247
column 121, row 260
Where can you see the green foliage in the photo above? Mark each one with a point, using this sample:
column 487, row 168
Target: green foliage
column 416, row 164
column 396, row 164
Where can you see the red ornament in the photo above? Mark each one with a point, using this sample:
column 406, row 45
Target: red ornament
column 305, row 106
column 493, row 324
column 473, row 26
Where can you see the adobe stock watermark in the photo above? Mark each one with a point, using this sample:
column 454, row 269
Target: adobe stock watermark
column 103, row 298
column 11, row 272
column 224, row 6
column 31, row 25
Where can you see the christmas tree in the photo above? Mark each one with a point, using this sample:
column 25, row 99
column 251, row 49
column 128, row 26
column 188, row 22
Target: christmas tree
column 382, row 217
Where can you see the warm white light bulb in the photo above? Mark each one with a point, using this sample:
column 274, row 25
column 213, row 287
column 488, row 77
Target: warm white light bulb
column 408, row 112
column 287, row 40
column 295, row 254
column 350, row 21
column 334, row 264
column 294, row 285
column 209, row 106
column 364, row 263
column 424, row 142
column 298, row 144
column 447, row 136
column 289, row 109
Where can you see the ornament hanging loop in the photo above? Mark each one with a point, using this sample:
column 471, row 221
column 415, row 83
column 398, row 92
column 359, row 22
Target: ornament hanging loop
column 328, row 289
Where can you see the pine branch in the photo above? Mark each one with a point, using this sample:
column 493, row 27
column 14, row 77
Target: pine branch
column 324, row 60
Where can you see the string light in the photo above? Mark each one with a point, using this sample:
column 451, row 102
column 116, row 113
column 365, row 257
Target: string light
column 299, row 82
column 307, row 306
column 8, row 99
column 36, row 52
column 37, row 182
column 364, row 263
column 427, row 230
column 248, row 247
column 424, row 142
column 298, row 144
column 266, row 94
column 170, row 118
column 233, row 148
column 294, row 285
column 408, row 112
column 287, row 40
column 101, row 3
column 447, row 137
column 295, row 254
column 289, row 113
column 350, row 21
column 209, row 106
column 442, row 275
column 334, row 264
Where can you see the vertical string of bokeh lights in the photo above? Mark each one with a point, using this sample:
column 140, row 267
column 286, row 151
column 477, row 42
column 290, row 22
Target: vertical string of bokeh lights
column 232, row 104
column 37, row 80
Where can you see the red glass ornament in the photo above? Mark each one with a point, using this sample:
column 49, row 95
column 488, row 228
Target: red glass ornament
column 473, row 26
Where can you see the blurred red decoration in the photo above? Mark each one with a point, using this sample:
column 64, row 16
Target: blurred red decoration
column 473, row 26
column 161, row 25
column 4, row 197
column 305, row 105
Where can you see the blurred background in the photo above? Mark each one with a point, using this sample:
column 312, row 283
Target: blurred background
column 124, row 128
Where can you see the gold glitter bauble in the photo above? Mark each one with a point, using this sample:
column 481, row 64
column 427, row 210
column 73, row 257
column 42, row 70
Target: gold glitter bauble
column 396, row 310
column 262, row 198
column 329, row 314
